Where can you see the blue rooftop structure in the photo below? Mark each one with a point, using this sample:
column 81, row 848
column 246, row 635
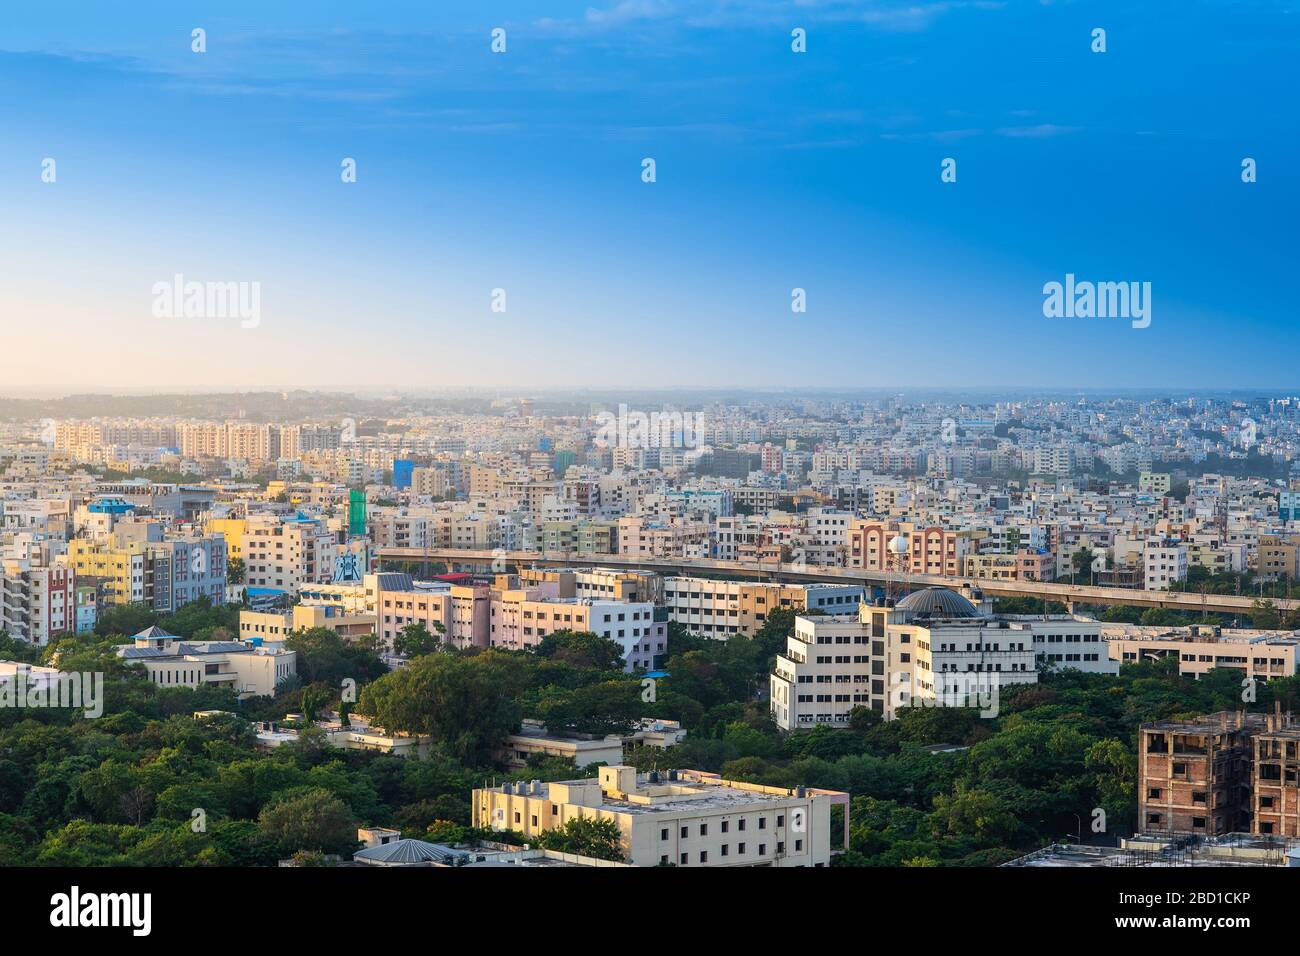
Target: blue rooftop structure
column 109, row 505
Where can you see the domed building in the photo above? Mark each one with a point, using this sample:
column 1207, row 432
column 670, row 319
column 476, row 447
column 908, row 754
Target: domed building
column 936, row 647
column 938, row 604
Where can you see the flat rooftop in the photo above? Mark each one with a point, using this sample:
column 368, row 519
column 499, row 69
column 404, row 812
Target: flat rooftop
column 1232, row 849
column 690, row 792
column 1224, row 720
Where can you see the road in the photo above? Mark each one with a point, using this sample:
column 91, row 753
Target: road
column 1068, row 594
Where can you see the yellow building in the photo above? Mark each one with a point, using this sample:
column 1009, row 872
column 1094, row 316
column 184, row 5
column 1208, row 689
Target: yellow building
column 233, row 529
column 122, row 570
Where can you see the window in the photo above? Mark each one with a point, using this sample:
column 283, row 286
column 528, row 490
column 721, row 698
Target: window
column 663, row 834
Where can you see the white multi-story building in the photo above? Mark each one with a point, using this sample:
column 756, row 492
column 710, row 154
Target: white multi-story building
column 722, row 608
column 1067, row 642
column 933, row 648
column 37, row 604
column 1054, row 460
column 1163, row 562
column 287, row 553
column 825, row 672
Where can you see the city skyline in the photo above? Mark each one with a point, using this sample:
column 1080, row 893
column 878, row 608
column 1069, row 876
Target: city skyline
column 522, row 171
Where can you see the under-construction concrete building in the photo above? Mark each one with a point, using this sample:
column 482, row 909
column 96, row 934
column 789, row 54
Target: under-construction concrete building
column 1194, row 776
column 1228, row 772
column 1277, row 778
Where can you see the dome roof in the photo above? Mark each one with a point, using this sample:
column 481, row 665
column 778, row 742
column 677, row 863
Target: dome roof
column 410, row 852
column 937, row 602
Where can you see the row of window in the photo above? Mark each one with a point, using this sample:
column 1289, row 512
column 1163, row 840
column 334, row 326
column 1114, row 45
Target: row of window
column 725, row 850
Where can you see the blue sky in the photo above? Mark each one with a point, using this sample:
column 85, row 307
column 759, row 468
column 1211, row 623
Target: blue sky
column 775, row 170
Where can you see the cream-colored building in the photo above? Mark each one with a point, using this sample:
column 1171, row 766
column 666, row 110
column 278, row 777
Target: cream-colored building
column 722, row 608
column 520, row 618
column 1201, row 648
column 1155, row 482
column 534, row 741
column 277, row 625
column 611, row 584
column 677, row 817
column 287, row 553
column 172, row 661
column 653, row 539
column 432, row 482
column 461, row 611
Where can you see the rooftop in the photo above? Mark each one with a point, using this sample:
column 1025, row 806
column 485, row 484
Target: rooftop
column 411, row 852
column 623, row 790
column 937, row 603
column 1217, row 722
column 1232, row 849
